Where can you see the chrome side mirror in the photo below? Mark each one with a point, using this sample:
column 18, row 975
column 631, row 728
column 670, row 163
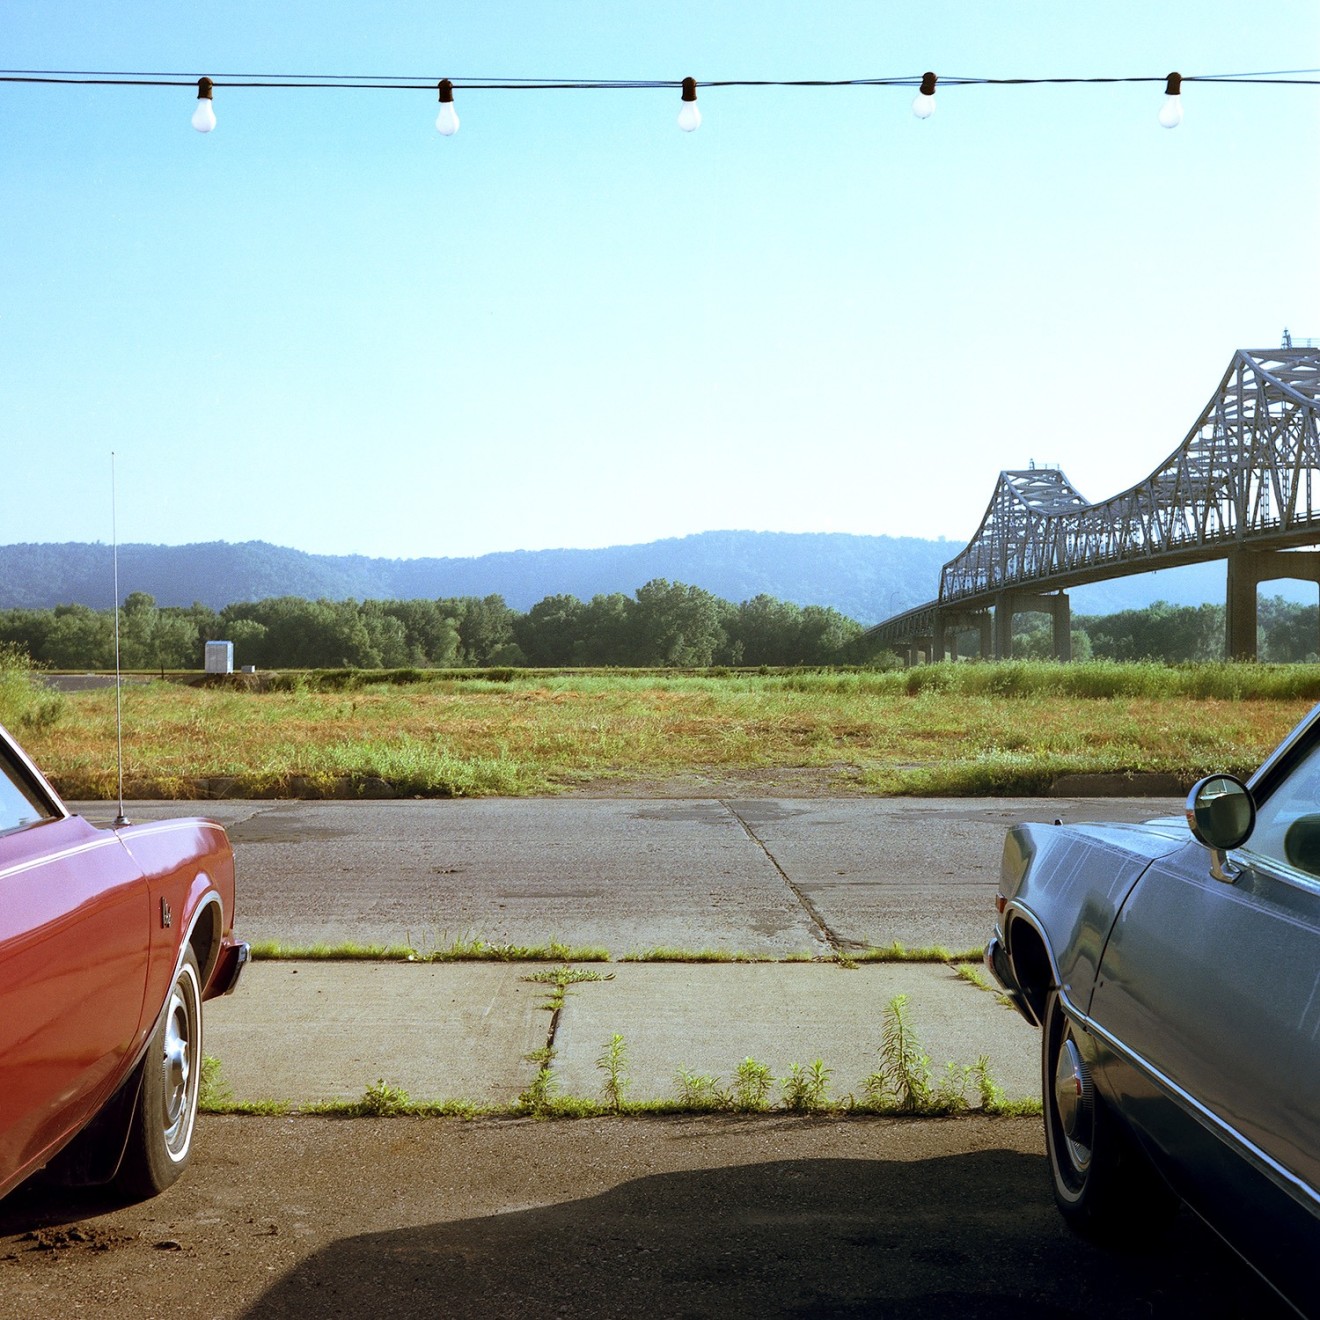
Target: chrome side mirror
column 1221, row 814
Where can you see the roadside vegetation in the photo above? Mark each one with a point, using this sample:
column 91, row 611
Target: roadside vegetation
column 26, row 703
column 955, row 729
column 479, row 950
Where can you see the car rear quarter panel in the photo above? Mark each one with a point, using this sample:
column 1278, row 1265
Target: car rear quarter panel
column 189, row 869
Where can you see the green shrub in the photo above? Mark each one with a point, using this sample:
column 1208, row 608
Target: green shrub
column 25, row 700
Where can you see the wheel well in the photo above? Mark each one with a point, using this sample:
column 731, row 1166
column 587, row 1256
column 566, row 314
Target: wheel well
column 205, row 940
column 1031, row 964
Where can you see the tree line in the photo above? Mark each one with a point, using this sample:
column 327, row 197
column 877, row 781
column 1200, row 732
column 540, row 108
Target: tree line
column 664, row 624
column 1286, row 633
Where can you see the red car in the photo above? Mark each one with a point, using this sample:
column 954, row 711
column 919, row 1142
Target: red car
column 110, row 939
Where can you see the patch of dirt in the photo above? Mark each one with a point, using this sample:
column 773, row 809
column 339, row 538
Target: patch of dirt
column 80, row 1237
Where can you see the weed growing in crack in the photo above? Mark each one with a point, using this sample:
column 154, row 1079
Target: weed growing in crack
column 381, row 1100
column 990, row 1092
column 700, row 1091
column 561, row 978
column 949, row 1096
column 663, row 954
column 214, row 1094
column 537, row 1100
column 472, row 948
column 751, row 1087
column 274, row 950
column 806, row 1090
column 902, row 1081
column 973, row 975
column 565, row 976
column 613, row 1063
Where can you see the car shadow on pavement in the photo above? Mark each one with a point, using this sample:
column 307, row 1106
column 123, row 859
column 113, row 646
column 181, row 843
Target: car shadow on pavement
column 40, row 1204
column 955, row 1236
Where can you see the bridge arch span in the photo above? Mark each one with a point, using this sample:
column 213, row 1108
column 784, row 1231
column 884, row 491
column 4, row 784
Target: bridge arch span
column 1243, row 485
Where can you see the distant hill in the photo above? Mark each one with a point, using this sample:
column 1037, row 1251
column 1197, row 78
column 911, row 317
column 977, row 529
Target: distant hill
column 867, row 578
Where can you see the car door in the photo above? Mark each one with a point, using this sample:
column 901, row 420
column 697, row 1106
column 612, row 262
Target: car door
column 74, row 916
column 1209, row 999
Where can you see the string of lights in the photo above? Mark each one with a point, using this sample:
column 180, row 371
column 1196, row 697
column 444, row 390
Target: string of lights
column 689, row 117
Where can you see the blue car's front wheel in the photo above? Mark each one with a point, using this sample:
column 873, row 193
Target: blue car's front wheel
column 1103, row 1185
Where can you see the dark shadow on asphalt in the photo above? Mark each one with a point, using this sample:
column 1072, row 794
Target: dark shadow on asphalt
column 958, row 1237
column 39, row 1204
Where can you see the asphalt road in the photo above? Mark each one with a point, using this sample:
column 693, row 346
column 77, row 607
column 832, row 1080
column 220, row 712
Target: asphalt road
column 719, row 1217
column 768, row 877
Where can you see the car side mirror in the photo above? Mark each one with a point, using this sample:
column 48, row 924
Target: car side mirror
column 1221, row 814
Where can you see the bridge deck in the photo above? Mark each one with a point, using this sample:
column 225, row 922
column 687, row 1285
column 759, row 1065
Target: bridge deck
column 1245, row 479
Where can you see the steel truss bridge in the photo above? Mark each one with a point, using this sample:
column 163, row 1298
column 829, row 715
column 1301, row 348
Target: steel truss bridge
column 1243, row 486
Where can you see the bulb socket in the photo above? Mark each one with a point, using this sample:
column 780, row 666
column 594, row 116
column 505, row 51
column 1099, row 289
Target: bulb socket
column 204, row 88
column 446, row 90
column 928, row 81
column 689, row 89
column 1173, row 87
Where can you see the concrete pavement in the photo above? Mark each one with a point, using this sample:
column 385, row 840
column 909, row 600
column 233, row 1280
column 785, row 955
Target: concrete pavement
column 312, row 1031
column 766, row 877
column 784, row 880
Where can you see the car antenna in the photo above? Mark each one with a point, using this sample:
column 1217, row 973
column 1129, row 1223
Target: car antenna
column 120, row 819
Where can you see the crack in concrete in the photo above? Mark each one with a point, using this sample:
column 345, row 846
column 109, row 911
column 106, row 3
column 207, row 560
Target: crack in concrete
column 827, row 933
column 552, row 1034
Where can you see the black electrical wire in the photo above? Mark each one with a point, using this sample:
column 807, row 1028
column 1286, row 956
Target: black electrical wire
column 370, row 82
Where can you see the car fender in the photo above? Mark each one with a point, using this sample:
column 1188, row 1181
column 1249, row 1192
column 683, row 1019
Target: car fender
column 1063, row 888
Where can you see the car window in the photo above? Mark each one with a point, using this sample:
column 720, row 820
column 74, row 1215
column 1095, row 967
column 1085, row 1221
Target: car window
column 19, row 805
column 1288, row 821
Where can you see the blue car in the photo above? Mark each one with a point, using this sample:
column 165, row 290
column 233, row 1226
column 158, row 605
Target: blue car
column 1174, row 971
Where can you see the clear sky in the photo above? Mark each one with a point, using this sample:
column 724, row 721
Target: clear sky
column 325, row 326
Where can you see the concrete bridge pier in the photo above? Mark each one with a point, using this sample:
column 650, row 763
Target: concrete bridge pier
column 1055, row 604
column 1247, row 569
column 949, row 623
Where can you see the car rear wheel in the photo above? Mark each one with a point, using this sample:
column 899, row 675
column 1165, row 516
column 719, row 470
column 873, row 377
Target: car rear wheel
column 1103, row 1185
column 160, row 1140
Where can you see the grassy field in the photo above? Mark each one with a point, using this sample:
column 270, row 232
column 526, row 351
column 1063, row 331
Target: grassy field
column 941, row 729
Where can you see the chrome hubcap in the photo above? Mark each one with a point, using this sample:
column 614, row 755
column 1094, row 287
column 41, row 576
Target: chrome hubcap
column 178, row 1071
column 1073, row 1102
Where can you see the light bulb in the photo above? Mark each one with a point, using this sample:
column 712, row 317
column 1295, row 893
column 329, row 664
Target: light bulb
column 689, row 117
column 923, row 105
column 203, row 119
column 1171, row 110
column 446, row 122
